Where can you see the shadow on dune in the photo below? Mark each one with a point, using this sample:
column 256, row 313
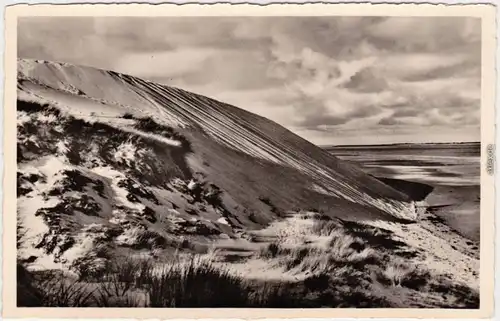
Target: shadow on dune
column 416, row 191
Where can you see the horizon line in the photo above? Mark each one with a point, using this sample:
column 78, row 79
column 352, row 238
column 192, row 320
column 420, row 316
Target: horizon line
column 393, row 144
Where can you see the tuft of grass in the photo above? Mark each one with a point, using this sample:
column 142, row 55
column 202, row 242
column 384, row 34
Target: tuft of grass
column 196, row 283
column 400, row 274
column 324, row 227
column 271, row 250
column 59, row 290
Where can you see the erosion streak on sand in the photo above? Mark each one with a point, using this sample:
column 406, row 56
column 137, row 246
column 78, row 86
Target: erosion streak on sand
column 225, row 123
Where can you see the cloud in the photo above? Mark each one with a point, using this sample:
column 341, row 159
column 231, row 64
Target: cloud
column 366, row 81
column 322, row 77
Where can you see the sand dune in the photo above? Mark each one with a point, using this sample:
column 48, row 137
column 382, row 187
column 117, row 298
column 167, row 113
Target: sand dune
column 110, row 163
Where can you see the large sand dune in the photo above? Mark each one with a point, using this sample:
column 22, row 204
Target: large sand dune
column 109, row 162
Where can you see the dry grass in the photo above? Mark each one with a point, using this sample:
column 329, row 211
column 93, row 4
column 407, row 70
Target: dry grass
column 346, row 260
column 131, row 283
column 319, row 246
column 336, row 272
column 51, row 289
column 196, row 283
column 399, row 273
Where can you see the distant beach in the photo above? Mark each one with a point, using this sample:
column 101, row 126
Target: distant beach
column 453, row 169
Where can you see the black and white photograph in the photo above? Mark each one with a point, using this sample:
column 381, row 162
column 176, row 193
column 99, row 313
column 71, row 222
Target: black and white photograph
column 284, row 162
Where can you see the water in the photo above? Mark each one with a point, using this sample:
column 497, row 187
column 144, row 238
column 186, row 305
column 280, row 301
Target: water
column 435, row 164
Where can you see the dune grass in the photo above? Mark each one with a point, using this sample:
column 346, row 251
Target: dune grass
column 190, row 283
column 334, row 269
column 349, row 264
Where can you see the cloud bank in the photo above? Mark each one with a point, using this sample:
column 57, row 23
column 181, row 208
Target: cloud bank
column 332, row 80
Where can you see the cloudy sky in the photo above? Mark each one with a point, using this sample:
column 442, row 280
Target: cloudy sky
column 332, row 80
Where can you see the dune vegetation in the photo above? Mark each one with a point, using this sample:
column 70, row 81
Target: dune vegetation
column 339, row 264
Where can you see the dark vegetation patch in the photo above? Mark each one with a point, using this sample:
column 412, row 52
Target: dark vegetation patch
column 94, row 143
column 91, row 267
column 194, row 283
column 416, row 279
column 466, row 298
column 436, row 220
column 326, row 226
column 347, row 289
column 198, row 228
column 198, row 283
column 192, row 211
column 317, row 216
column 197, row 286
column 29, row 293
column 145, row 238
column 379, row 238
column 147, row 124
column 150, row 240
column 81, row 203
column 35, row 139
column 128, row 116
column 59, row 220
column 75, row 181
column 203, row 193
column 272, row 250
column 297, row 257
column 25, row 182
column 274, row 209
column 54, row 242
column 51, row 289
column 135, row 190
column 32, row 107
column 149, row 214
column 105, row 232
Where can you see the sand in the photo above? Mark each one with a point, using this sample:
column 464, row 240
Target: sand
column 459, row 207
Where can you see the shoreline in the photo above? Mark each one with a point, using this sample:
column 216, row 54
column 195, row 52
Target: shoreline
column 457, row 206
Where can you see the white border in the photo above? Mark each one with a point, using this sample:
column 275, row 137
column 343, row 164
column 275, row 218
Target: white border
column 301, row 10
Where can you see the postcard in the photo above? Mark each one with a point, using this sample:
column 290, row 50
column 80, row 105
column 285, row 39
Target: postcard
column 244, row 161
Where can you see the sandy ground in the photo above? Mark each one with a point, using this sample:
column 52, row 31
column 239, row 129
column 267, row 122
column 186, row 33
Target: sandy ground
column 459, row 207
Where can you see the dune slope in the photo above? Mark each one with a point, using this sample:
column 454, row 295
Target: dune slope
column 259, row 169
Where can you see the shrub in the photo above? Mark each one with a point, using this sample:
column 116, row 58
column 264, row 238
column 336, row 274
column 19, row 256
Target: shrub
column 33, row 107
column 128, row 116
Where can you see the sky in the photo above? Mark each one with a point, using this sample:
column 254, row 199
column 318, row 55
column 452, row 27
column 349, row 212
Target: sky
column 331, row 80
